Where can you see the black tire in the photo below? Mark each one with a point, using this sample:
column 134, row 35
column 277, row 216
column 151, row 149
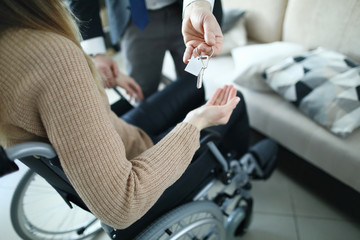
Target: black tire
column 192, row 215
column 248, row 205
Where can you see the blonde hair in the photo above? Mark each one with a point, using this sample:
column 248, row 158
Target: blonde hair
column 47, row 15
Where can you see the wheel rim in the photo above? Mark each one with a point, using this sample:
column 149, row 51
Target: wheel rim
column 192, row 221
column 41, row 213
column 201, row 229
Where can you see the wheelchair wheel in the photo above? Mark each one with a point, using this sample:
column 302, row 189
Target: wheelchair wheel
column 239, row 219
column 39, row 212
column 194, row 220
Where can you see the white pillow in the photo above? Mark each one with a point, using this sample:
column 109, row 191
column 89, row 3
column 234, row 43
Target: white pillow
column 251, row 62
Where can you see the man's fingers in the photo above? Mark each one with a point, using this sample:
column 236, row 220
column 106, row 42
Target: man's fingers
column 129, row 90
column 137, row 90
column 204, row 49
column 114, row 69
column 196, row 48
column 188, row 53
column 212, row 33
column 109, row 78
column 209, row 35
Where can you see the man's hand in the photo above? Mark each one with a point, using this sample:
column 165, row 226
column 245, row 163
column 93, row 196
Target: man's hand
column 130, row 86
column 107, row 68
column 216, row 111
column 112, row 77
column 200, row 25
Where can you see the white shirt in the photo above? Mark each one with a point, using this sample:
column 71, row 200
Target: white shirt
column 188, row 2
column 96, row 45
column 157, row 4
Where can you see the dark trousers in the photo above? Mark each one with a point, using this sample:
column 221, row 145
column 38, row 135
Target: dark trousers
column 144, row 50
column 157, row 116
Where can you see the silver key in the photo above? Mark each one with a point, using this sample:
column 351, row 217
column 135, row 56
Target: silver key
column 205, row 62
column 200, row 78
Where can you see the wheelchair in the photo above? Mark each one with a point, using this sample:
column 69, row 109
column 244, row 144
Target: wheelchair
column 219, row 208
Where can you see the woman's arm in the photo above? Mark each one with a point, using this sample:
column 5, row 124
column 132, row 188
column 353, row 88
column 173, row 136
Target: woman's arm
column 92, row 153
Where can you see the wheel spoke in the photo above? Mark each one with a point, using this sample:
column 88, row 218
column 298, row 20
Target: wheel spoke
column 39, row 212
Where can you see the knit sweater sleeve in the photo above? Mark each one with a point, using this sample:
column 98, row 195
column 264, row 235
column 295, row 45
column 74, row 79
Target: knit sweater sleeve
column 117, row 190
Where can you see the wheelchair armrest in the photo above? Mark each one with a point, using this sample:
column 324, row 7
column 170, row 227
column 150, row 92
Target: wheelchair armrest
column 206, row 136
column 209, row 135
column 42, row 159
column 208, row 141
column 8, row 156
column 30, row 149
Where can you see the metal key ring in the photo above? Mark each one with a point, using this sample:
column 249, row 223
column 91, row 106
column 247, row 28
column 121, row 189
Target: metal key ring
column 200, row 45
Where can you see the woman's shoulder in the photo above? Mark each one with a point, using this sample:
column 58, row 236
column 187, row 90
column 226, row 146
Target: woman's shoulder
column 31, row 41
column 27, row 34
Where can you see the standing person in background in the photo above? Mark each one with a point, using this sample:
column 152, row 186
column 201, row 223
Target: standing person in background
column 144, row 41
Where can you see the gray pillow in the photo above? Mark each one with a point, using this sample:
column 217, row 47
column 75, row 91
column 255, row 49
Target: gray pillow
column 230, row 18
column 323, row 84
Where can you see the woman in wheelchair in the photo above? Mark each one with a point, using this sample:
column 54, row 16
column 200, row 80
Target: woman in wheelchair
column 119, row 166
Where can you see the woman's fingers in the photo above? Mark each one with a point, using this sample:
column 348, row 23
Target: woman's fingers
column 232, row 93
column 228, row 109
column 222, row 95
column 219, row 98
column 226, row 95
column 229, row 93
column 213, row 98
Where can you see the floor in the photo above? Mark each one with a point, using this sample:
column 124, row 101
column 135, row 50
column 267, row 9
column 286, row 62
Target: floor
column 298, row 202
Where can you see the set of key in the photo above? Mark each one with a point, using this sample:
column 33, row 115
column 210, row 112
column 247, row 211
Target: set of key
column 205, row 61
column 197, row 66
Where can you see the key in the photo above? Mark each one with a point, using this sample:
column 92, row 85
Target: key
column 200, row 78
column 194, row 66
column 205, row 62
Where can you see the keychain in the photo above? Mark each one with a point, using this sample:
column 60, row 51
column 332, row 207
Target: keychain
column 197, row 65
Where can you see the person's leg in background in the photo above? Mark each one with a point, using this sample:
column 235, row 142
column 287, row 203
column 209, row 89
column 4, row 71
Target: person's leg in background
column 175, row 41
column 143, row 58
column 144, row 50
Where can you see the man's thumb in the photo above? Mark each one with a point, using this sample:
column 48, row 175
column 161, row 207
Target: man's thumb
column 209, row 35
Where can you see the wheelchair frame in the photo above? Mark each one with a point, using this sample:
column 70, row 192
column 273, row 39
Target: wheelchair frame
column 223, row 206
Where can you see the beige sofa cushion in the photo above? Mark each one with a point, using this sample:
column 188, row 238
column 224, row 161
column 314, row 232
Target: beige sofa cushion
column 272, row 116
column 333, row 24
column 264, row 18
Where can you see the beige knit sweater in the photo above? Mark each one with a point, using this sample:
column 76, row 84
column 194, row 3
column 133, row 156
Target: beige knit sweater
column 47, row 93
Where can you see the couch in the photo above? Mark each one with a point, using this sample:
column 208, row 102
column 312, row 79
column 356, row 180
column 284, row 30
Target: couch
column 331, row 24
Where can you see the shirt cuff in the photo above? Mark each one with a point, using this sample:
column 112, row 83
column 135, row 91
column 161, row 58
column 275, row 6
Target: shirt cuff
column 188, row 2
column 94, row 46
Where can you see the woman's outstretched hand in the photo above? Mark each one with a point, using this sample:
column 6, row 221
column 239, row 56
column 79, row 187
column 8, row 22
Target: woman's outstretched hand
column 216, row 111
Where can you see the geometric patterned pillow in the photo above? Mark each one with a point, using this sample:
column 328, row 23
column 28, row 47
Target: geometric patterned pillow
column 323, row 84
